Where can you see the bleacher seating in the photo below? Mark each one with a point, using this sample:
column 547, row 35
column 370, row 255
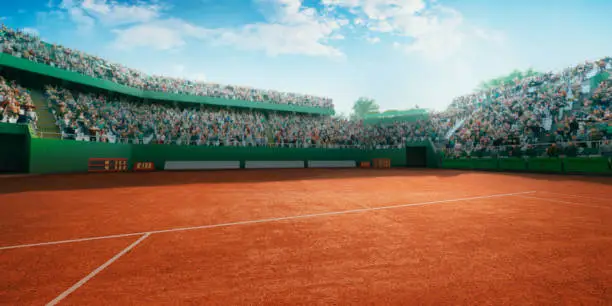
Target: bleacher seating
column 571, row 108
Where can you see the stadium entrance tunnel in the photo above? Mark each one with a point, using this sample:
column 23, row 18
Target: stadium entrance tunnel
column 416, row 157
column 13, row 153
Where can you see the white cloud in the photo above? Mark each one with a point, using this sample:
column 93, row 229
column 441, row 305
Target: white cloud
column 66, row 4
column 373, row 40
column 114, row 13
column 78, row 16
column 161, row 35
column 435, row 31
column 148, row 35
column 180, row 71
column 490, row 35
column 31, row 31
column 275, row 39
column 166, row 34
column 379, row 9
column 201, row 77
column 291, row 29
column 110, row 13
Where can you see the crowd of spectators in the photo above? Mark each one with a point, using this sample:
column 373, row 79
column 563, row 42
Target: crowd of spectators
column 506, row 120
column 28, row 46
column 546, row 108
column 96, row 117
column 102, row 118
column 510, row 120
column 16, row 104
column 551, row 107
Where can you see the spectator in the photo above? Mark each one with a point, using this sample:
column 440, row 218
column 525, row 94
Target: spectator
column 552, row 151
column 28, row 46
column 606, row 148
column 16, row 104
column 507, row 119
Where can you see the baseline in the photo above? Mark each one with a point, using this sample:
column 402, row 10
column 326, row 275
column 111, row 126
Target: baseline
column 576, row 196
column 563, row 202
column 105, row 265
column 325, row 214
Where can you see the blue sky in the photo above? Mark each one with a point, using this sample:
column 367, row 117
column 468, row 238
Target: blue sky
column 402, row 53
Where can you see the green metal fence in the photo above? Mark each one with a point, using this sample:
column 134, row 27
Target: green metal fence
column 586, row 165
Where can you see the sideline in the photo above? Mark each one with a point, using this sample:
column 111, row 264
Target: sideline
column 93, row 273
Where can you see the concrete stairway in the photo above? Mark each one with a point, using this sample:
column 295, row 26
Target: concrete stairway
column 46, row 120
column 269, row 135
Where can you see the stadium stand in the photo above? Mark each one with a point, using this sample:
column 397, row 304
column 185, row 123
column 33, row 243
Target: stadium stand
column 553, row 107
column 565, row 113
column 16, row 104
column 30, row 47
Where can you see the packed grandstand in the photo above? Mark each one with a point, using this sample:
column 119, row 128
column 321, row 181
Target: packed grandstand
column 570, row 111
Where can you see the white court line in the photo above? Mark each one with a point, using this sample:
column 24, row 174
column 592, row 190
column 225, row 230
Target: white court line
column 80, row 283
column 564, row 202
column 577, row 196
column 342, row 212
column 71, row 240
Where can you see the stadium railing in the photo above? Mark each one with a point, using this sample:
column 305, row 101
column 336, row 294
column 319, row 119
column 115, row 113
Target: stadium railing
column 580, row 148
column 120, row 140
column 592, row 157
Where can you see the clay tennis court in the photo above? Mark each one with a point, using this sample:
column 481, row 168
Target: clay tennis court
column 430, row 237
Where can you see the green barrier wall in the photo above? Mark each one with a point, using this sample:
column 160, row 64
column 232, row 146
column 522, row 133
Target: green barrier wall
column 587, row 165
column 550, row 165
column 15, row 129
column 56, row 156
column 62, row 156
column 596, row 165
column 457, row 164
column 159, row 154
column 485, row 164
column 512, row 164
column 77, row 78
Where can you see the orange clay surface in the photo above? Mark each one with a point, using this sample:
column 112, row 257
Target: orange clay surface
column 307, row 237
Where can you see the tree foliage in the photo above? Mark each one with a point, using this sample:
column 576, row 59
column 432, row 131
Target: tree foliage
column 507, row 79
column 341, row 115
column 364, row 106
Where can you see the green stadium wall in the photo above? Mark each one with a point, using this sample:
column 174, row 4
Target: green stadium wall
column 30, row 67
column 65, row 156
column 584, row 165
column 43, row 155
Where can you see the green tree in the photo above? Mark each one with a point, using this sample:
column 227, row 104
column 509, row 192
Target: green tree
column 364, row 106
column 341, row 115
column 507, row 79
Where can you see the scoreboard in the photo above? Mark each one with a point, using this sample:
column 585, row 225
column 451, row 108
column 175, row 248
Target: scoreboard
column 144, row 166
column 382, row 163
column 108, row 165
